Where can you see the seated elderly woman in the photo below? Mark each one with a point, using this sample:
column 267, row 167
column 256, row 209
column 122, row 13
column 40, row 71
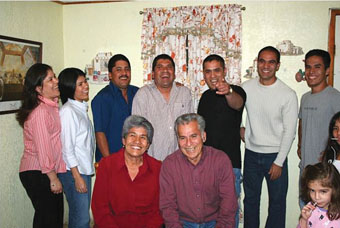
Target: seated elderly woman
column 126, row 191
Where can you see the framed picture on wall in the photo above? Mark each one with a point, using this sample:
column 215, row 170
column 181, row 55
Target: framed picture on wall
column 16, row 56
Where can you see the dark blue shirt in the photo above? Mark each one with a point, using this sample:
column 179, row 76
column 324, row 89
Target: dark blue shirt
column 109, row 110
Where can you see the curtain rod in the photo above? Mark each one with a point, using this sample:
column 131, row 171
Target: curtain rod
column 242, row 8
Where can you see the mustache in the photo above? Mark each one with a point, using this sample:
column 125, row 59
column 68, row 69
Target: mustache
column 123, row 76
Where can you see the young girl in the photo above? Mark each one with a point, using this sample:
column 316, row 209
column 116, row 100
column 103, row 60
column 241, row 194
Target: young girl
column 78, row 145
column 332, row 152
column 42, row 157
column 320, row 185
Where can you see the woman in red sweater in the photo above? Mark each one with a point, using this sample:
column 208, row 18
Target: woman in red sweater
column 126, row 191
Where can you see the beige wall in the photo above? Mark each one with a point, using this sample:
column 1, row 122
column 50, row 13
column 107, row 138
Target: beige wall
column 73, row 34
column 33, row 21
column 117, row 28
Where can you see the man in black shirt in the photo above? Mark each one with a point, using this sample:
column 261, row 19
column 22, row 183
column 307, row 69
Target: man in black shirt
column 221, row 106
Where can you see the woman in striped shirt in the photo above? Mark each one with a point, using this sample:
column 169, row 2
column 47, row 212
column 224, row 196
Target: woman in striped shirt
column 42, row 157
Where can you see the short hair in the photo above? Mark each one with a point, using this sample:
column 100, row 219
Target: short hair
column 329, row 177
column 272, row 49
column 189, row 117
column 326, row 58
column 34, row 77
column 116, row 58
column 67, row 83
column 162, row 56
column 214, row 57
column 138, row 121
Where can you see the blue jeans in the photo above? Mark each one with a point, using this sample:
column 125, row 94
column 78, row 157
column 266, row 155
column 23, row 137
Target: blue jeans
column 187, row 224
column 301, row 202
column 238, row 181
column 256, row 167
column 78, row 203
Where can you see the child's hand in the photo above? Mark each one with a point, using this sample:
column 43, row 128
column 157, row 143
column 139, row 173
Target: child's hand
column 306, row 211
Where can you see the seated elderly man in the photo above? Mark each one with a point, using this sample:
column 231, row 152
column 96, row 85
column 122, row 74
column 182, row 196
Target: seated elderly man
column 126, row 191
column 196, row 181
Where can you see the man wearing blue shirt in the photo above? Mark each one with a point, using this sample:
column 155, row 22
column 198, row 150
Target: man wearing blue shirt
column 112, row 105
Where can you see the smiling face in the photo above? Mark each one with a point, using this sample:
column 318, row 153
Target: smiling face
column 49, row 88
column 320, row 194
column 190, row 141
column 316, row 74
column 213, row 72
column 136, row 142
column 81, row 92
column 336, row 131
column 267, row 65
column 164, row 73
column 121, row 74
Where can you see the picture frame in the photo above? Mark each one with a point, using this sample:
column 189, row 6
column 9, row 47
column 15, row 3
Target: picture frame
column 16, row 57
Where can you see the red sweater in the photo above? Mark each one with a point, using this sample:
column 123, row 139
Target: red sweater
column 118, row 201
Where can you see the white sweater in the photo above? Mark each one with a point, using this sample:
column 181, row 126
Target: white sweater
column 272, row 113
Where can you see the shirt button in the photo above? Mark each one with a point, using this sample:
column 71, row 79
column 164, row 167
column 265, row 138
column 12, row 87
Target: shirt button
column 197, row 195
column 170, row 127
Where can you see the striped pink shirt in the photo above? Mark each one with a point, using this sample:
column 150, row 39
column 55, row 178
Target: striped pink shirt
column 42, row 139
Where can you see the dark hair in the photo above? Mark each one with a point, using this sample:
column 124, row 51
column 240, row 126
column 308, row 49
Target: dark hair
column 67, row 83
column 34, row 77
column 332, row 145
column 137, row 121
column 116, row 58
column 326, row 58
column 272, row 49
column 189, row 117
column 162, row 56
column 329, row 177
column 216, row 58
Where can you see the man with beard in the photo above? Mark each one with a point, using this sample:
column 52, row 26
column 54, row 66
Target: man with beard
column 316, row 109
column 112, row 105
column 161, row 103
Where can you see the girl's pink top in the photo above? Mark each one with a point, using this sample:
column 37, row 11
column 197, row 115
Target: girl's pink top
column 319, row 219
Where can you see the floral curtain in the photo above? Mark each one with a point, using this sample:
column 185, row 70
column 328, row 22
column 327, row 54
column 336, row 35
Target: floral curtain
column 189, row 34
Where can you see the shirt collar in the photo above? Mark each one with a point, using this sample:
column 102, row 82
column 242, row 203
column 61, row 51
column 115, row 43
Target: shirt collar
column 116, row 89
column 82, row 105
column 53, row 103
column 121, row 162
column 173, row 88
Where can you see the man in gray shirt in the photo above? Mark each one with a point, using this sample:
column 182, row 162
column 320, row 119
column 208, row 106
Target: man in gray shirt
column 316, row 109
column 161, row 103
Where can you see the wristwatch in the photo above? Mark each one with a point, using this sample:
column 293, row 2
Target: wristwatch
column 230, row 91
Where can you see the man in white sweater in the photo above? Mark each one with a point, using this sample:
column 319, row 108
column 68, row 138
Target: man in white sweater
column 272, row 110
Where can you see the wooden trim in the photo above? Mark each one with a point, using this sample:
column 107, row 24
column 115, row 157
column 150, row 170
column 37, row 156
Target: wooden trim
column 84, row 2
column 331, row 44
